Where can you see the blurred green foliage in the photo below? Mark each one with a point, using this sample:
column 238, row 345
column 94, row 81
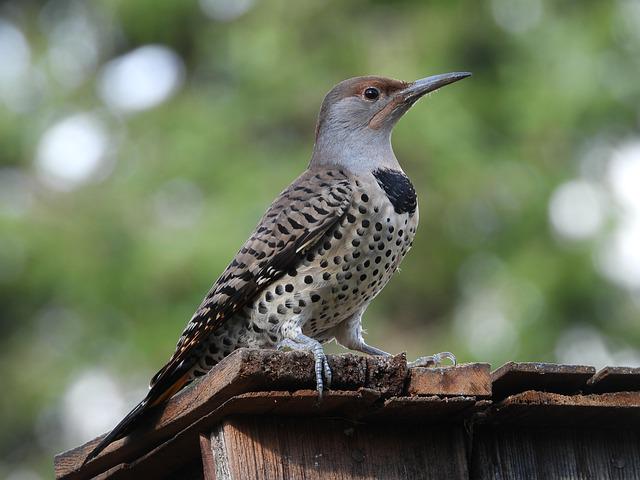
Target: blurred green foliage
column 105, row 275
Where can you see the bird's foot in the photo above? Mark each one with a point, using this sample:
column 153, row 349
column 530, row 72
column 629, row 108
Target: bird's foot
column 434, row 360
column 322, row 369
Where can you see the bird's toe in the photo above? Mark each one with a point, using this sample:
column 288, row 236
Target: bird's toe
column 434, row 360
column 328, row 376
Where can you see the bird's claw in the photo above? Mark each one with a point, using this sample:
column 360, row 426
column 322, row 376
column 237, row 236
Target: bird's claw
column 323, row 371
column 434, row 360
column 321, row 365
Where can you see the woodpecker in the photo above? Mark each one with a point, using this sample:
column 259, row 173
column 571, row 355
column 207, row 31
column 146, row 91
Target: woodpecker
column 324, row 249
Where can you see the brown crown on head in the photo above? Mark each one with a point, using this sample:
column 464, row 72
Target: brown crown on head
column 355, row 87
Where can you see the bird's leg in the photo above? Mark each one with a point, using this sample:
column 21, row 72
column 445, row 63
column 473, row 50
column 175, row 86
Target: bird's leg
column 296, row 340
column 349, row 335
column 434, row 360
column 369, row 350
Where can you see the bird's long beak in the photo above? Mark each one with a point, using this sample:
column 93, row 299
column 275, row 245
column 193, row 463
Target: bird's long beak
column 425, row 85
column 403, row 99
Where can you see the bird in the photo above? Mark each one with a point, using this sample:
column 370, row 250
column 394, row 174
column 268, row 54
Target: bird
column 323, row 250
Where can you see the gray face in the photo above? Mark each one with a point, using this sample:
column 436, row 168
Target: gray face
column 376, row 102
column 354, row 103
column 357, row 116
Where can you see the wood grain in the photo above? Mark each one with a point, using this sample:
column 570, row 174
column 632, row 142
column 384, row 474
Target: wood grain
column 620, row 409
column 615, row 379
column 242, row 371
column 514, row 377
column 469, row 380
column 501, row 453
column 279, row 448
column 208, row 461
column 256, row 415
column 358, row 407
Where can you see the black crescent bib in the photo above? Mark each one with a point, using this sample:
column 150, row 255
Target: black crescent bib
column 398, row 188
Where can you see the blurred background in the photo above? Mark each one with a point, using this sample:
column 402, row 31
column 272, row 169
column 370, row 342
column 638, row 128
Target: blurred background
column 140, row 142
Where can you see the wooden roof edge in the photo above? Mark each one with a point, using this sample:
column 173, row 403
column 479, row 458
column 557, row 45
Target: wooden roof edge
column 241, row 372
column 263, row 371
column 516, row 377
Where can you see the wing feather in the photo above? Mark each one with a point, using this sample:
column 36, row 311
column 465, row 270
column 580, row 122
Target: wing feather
column 296, row 221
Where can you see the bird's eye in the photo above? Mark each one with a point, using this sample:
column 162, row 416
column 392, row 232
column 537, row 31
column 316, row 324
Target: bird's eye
column 371, row 93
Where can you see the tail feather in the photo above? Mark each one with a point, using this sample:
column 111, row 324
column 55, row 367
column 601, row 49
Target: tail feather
column 121, row 430
column 165, row 388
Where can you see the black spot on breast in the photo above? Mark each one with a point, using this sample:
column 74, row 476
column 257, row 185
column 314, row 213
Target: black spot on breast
column 398, row 188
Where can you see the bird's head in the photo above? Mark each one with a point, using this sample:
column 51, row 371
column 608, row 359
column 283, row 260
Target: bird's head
column 358, row 114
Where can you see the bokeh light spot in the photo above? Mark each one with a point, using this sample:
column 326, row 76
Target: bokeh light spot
column 577, row 210
column 517, row 16
column 141, row 79
column 624, row 176
column 225, row 10
column 72, row 151
column 92, row 405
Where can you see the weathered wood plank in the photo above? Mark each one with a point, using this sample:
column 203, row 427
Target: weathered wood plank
column 360, row 406
column 468, row 380
column 219, row 450
column 208, row 461
column 615, row 379
column 515, row 377
column 242, row 371
column 380, row 399
column 276, row 448
column 426, row 409
column 620, row 409
column 525, row 453
column 181, row 448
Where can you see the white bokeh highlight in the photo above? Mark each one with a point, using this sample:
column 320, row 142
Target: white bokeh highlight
column 15, row 54
column 73, row 151
column 141, row 79
column 92, row 405
column 623, row 176
column 481, row 322
column 17, row 77
column 585, row 345
column 577, row 210
column 225, row 10
column 618, row 258
column 517, row 16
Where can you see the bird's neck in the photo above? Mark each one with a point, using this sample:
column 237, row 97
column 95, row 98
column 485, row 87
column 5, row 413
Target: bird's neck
column 359, row 152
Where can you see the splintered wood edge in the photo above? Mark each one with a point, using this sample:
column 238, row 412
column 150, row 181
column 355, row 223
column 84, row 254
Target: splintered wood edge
column 540, row 368
column 532, row 397
column 542, row 409
column 513, row 377
column 242, row 371
column 615, row 379
column 467, row 380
